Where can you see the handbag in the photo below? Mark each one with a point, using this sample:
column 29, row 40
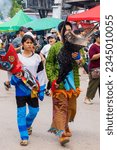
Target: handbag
column 95, row 73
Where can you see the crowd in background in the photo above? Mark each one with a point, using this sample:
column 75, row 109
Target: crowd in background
column 43, row 43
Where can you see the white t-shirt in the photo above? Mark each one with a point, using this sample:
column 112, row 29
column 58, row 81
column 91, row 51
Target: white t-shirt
column 0, row 41
column 31, row 63
column 45, row 50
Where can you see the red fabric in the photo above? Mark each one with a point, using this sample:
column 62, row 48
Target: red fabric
column 86, row 25
column 10, row 62
column 91, row 14
column 53, row 88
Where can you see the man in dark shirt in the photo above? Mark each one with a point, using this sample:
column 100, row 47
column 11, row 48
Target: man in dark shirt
column 17, row 41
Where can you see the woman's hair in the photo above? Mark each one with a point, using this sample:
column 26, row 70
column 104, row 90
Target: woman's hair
column 26, row 37
column 61, row 25
column 96, row 35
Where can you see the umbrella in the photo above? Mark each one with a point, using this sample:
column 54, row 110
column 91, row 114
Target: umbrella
column 16, row 22
column 91, row 14
column 43, row 23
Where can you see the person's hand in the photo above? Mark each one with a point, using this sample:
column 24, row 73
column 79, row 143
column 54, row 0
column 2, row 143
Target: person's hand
column 42, row 58
column 54, row 86
column 76, row 56
column 79, row 61
column 18, row 75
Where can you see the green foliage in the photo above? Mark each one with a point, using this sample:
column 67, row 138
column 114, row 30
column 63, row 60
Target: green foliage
column 19, row 2
column 15, row 8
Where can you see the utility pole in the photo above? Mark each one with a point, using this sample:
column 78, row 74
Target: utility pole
column 57, row 8
column 24, row 3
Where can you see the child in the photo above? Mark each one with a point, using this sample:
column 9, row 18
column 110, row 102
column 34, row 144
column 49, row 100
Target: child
column 32, row 62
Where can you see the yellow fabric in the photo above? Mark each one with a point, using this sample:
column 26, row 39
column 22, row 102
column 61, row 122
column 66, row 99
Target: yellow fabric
column 34, row 92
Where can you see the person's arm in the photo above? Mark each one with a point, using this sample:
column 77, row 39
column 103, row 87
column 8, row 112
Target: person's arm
column 94, row 53
column 42, row 57
column 95, row 56
column 17, row 44
column 18, row 48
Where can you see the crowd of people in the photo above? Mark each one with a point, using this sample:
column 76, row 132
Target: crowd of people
column 47, row 64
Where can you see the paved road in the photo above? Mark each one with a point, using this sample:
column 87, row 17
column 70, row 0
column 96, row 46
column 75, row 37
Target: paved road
column 86, row 127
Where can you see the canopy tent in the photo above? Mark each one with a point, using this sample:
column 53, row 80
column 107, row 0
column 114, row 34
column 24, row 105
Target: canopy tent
column 16, row 22
column 43, row 24
column 91, row 14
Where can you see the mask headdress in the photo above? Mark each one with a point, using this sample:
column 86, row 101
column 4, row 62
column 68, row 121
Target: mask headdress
column 79, row 41
column 91, row 30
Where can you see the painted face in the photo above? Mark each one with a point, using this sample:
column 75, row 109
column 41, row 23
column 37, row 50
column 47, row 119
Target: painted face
column 28, row 45
column 68, row 28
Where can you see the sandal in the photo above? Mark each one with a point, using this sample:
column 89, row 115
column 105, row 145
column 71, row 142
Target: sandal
column 7, row 86
column 63, row 140
column 24, row 142
column 29, row 130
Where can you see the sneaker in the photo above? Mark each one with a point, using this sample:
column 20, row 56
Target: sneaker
column 88, row 101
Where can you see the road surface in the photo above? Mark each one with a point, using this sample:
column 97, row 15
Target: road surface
column 85, row 128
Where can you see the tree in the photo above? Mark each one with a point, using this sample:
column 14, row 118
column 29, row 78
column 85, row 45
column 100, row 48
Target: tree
column 15, row 7
column 19, row 2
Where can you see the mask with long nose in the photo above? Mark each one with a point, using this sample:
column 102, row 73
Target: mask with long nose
column 77, row 42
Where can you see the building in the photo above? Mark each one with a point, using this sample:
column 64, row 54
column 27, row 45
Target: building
column 43, row 7
column 58, row 8
column 83, row 3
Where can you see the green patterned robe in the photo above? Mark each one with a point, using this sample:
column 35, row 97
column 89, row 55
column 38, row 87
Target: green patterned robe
column 52, row 66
